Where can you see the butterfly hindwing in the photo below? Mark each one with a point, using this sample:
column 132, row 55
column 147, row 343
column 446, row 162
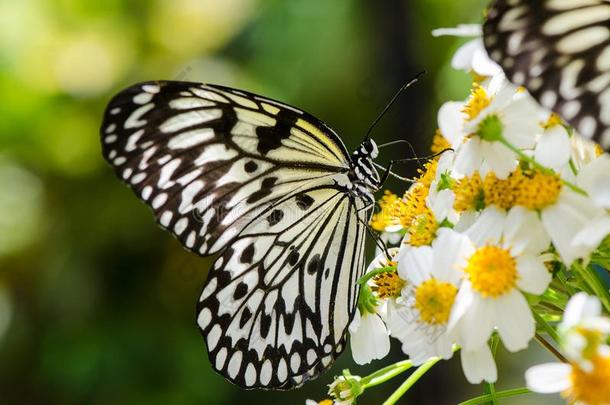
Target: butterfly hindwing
column 278, row 303
column 560, row 51
column 265, row 186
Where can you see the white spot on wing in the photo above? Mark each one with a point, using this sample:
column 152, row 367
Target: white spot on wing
column 282, row 370
column 185, row 103
column 133, row 140
column 204, row 318
column 146, row 192
column 191, row 138
column 166, row 218
column 151, row 88
column 133, row 121
column 142, row 98
column 266, row 372
column 221, row 357
column 583, row 39
column 138, row 178
column 295, row 362
column 167, row 171
column 159, row 200
column 187, row 119
column 213, row 337
column 250, row 375
column 181, row 225
column 234, row 364
column 110, row 128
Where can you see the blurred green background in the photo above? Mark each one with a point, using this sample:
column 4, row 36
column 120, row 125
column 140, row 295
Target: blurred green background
column 97, row 303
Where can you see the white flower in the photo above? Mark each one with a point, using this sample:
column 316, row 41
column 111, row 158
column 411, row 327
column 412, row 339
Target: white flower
column 510, row 114
column 479, row 365
column 554, row 148
column 594, row 178
column 506, row 261
column 583, row 329
column 472, row 56
column 345, row 389
column 584, row 380
column 369, row 337
column 419, row 318
column 573, row 222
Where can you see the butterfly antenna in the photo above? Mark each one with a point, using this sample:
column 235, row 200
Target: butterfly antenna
column 387, row 107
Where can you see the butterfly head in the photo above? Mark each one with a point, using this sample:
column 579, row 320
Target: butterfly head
column 364, row 172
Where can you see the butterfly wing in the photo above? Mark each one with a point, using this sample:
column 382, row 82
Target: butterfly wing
column 266, row 185
column 560, row 51
column 208, row 159
column 278, row 303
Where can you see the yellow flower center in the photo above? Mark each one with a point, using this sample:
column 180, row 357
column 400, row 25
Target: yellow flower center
column 433, row 300
column 439, row 142
column 532, row 189
column 388, row 285
column 386, row 216
column 553, row 121
column 492, row 271
column 498, row 192
column 478, row 101
column 590, row 387
column 422, row 229
column 326, row 402
column 468, row 193
column 593, row 338
column 413, row 213
column 536, row 190
column 598, row 150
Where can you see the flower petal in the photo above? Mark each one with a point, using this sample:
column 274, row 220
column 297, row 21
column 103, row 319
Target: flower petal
column 548, row 378
column 370, row 340
column 442, row 204
column 580, row 307
column 534, row 277
column 487, row 229
column 524, row 232
column 594, row 178
column 477, row 323
column 479, row 365
column 450, row 122
column 567, row 217
column 415, row 263
column 553, row 148
column 501, row 160
column 451, row 250
column 592, row 235
column 515, row 321
column 468, row 157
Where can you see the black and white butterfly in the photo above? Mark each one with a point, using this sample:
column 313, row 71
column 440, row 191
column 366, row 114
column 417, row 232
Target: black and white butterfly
column 560, row 51
column 274, row 193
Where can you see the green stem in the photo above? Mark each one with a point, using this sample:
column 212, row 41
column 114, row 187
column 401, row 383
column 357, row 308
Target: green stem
column 545, row 325
column 386, row 373
column 413, row 378
column 490, row 388
column 537, row 165
column 375, row 272
column 499, row 394
column 594, row 283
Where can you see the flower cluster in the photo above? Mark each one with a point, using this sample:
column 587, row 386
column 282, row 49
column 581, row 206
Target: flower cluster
column 492, row 239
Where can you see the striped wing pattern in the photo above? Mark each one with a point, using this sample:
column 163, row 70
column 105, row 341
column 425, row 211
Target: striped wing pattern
column 265, row 186
column 560, row 51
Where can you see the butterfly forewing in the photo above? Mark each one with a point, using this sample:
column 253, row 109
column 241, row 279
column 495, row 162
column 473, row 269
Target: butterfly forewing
column 267, row 186
column 560, row 51
column 207, row 160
